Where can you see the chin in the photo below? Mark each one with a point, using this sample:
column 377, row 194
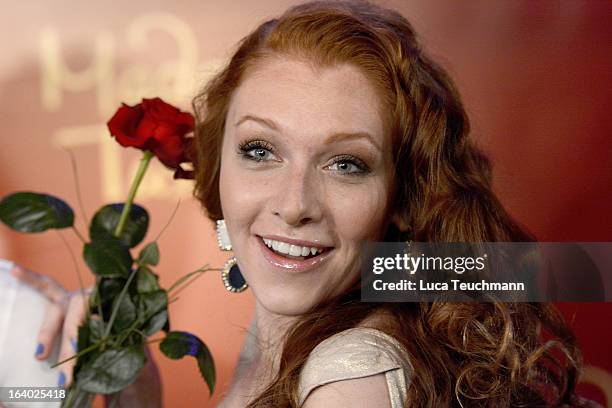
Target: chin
column 286, row 303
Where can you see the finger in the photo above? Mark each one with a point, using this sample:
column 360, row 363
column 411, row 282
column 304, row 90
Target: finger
column 43, row 283
column 51, row 325
column 74, row 317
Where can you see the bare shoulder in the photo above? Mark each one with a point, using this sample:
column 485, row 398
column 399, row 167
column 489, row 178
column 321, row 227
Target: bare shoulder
column 370, row 392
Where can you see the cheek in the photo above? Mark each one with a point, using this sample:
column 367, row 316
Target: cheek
column 240, row 189
column 244, row 196
column 359, row 214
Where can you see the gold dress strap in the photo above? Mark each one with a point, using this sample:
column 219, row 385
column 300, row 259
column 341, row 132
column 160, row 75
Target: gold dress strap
column 356, row 353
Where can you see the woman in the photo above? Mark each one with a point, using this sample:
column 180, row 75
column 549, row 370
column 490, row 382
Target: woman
column 328, row 127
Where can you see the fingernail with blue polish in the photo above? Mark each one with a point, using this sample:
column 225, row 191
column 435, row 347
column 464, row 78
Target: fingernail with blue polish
column 74, row 344
column 62, row 380
column 40, row 349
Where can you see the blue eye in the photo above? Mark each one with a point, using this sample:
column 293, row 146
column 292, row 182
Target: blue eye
column 349, row 165
column 259, row 154
column 345, row 167
column 257, row 150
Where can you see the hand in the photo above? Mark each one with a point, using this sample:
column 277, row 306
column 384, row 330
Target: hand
column 63, row 316
column 66, row 311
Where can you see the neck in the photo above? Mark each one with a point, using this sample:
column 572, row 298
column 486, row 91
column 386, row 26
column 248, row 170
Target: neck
column 260, row 356
column 264, row 341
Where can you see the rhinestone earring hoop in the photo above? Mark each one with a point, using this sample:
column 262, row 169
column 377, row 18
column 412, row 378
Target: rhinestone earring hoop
column 232, row 277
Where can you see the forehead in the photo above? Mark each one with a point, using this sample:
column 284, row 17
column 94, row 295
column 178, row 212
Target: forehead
column 300, row 97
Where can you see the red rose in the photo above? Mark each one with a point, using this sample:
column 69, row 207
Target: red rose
column 156, row 126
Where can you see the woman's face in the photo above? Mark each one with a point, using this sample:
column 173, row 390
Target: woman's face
column 305, row 179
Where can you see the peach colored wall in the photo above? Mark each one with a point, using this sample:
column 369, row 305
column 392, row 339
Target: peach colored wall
column 535, row 78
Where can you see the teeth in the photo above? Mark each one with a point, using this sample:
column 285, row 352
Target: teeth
column 284, row 248
column 293, row 250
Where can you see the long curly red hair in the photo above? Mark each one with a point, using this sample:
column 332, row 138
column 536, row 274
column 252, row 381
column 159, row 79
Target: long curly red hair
column 463, row 354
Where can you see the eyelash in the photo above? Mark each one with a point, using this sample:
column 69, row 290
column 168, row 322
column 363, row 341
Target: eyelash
column 246, row 149
column 363, row 168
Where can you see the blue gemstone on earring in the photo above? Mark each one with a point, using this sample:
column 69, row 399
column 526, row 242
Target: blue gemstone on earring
column 235, row 278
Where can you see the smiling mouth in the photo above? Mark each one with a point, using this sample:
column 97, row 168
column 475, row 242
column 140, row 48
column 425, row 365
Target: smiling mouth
column 294, row 252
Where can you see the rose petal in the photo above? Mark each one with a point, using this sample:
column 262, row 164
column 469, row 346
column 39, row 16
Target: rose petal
column 124, row 124
column 156, row 126
column 146, row 128
column 169, row 151
column 159, row 109
column 188, row 151
column 186, row 119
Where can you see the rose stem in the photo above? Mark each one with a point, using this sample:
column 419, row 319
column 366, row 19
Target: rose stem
column 142, row 168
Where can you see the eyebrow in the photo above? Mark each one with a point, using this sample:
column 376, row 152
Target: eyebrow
column 266, row 122
column 335, row 137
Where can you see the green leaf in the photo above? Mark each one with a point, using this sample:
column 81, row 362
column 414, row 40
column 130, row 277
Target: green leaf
column 96, row 330
column 89, row 332
column 109, row 258
column 35, row 212
column 152, row 311
column 156, row 323
column 151, row 303
column 126, row 314
column 149, row 254
column 108, row 290
column 83, row 336
column 177, row 344
column 146, row 280
column 112, row 370
column 106, row 219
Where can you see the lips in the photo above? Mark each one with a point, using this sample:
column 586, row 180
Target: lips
column 290, row 263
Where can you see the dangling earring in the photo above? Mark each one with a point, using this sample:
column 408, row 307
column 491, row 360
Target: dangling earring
column 232, row 278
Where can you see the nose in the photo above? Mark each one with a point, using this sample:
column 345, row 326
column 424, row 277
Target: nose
column 299, row 197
